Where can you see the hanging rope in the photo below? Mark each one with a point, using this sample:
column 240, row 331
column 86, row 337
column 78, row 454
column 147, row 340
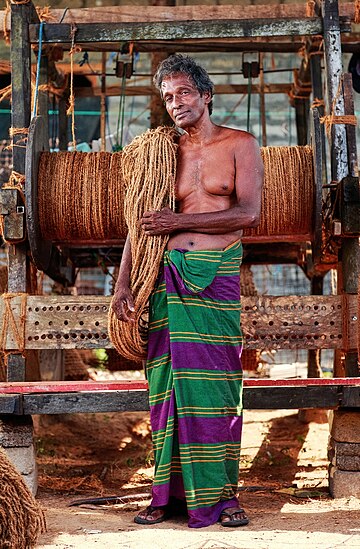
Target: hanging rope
column 20, row 142
column 5, row 25
column 149, row 168
column 332, row 119
column 36, row 93
column 71, row 109
column 5, row 93
column 310, row 8
column 121, row 116
column 45, row 14
column 317, row 103
column 12, row 326
column 299, row 89
column 357, row 11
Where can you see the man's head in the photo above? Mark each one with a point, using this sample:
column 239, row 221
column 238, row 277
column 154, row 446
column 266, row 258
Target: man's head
column 183, row 64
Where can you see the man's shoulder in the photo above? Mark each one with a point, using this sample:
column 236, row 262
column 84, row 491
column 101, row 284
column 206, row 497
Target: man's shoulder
column 236, row 134
column 239, row 139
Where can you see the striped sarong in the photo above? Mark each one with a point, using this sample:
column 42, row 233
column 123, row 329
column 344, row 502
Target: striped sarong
column 195, row 381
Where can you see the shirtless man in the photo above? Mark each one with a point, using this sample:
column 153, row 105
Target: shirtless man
column 218, row 190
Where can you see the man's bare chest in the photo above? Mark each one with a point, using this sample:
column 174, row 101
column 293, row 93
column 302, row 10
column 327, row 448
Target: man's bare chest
column 205, row 172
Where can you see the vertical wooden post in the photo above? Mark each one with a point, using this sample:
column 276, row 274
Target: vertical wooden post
column 43, row 101
column 20, row 53
column 333, row 67
column 262, row 102
column 158, row 113
column 103, row 103
column 317, row 91
column 302, row 119
column 350, row 251
column 63, row 122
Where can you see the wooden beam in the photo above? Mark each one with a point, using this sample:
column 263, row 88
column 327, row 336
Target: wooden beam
column 120, row 14
column 92, row 397
column 150, row 90
column 268, row 322
column 180, row 30
column 41, row 387
column 20, row 55
column 259, row 398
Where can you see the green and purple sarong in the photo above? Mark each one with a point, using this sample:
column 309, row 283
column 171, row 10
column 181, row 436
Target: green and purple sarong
column 195, row 381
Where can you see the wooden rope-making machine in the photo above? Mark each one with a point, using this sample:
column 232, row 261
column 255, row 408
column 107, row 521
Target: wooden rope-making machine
column 58, row 206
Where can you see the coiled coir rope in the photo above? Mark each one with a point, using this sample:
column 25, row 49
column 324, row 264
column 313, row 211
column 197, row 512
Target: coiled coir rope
column 149, row 168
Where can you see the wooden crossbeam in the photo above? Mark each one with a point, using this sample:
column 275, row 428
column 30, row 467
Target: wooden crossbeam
column 37, row 387
column 90, row 397
column 150, row 90
column 120, row 14
column 268, row 322
column 179, row 30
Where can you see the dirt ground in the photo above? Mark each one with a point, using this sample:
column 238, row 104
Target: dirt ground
column 283, row 482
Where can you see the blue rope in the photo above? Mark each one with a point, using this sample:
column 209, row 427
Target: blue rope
column 38, row 69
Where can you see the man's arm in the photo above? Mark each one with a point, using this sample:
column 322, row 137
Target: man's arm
column 245, row 213
column 122, row 302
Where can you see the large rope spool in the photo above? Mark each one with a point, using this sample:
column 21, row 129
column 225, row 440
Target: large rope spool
column 81, row 196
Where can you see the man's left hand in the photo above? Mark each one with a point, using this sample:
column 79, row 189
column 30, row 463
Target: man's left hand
column 160, row 222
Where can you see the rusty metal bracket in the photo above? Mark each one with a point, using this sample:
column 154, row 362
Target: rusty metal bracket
column 13, row 211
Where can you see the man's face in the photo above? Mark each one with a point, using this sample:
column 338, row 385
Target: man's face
column 183, row 101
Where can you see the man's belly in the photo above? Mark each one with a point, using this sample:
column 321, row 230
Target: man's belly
column 202, row 241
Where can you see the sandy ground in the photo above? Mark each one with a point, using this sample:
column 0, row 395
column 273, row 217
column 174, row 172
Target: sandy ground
column 283, row 486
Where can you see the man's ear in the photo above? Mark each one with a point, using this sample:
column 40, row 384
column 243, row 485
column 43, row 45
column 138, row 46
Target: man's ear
column 207, row 96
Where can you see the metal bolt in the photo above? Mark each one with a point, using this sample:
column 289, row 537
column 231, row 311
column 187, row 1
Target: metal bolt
column 354, row 317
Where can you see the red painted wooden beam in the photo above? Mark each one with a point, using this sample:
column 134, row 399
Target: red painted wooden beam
column 129, row 385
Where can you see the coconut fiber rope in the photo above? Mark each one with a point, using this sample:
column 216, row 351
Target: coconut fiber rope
column 288, row 192
column 21, row 518
column 149, row 168
column 81, row 196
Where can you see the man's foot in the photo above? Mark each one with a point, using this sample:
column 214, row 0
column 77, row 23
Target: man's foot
column 233, row 516
column 152, row 515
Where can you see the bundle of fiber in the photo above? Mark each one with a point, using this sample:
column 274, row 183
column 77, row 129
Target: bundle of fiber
column 288, row 192
column 149, row 170
column 81, row 196
column 21, row 518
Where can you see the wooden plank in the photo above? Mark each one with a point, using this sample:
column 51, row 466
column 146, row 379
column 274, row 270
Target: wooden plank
column 107, row 401
column 151, row 90
column 182, row 30
column 290, row 398
column 317, row 137
column 10, row 404
column 350, row 397
column 257, row 398
column 37, row 387
column 129, row 13
column 291, row 322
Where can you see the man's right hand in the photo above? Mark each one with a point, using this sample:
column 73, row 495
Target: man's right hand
column 123, row 305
